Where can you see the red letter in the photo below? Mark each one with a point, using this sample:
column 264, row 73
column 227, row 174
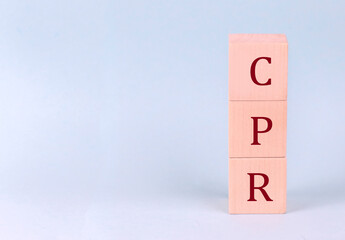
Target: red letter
column 256, row 131
column 252, row 71
column 252, row 188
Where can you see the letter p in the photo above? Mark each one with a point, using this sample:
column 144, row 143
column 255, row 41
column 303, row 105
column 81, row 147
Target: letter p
column 256, row 128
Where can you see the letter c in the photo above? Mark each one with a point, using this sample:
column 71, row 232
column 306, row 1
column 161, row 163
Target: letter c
column 252, row 71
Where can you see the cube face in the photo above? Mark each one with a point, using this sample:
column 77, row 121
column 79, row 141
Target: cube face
column 250, row 179
column 270, row 51
column 247, row 116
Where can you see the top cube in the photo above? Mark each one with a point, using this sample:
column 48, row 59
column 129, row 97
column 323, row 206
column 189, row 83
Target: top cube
column 258, row 65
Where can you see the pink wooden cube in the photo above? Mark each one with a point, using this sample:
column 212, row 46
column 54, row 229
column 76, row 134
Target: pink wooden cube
column 258, row 67
column 257, row 128
column 257, row 185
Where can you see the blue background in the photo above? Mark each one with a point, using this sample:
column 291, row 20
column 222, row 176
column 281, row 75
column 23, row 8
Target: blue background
column 113, row 119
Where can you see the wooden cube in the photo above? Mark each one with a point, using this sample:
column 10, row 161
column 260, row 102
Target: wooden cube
column 257, row 185
column 257, row 128
column 258, row 67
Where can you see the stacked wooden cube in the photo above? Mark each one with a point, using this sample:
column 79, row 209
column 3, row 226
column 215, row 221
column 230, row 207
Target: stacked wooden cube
column 258, row 66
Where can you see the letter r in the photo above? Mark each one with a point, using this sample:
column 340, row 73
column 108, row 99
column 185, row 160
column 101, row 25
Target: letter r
column 262, row 190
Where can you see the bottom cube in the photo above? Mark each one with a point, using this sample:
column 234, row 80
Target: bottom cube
column 257, row 185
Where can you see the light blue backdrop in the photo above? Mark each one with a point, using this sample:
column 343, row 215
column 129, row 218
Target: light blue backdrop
column 128, row 100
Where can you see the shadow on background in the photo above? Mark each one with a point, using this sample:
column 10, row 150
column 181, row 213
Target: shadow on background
column 315, row 197
column 216, row 199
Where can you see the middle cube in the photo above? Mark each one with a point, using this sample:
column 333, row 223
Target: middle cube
column 257, row 128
